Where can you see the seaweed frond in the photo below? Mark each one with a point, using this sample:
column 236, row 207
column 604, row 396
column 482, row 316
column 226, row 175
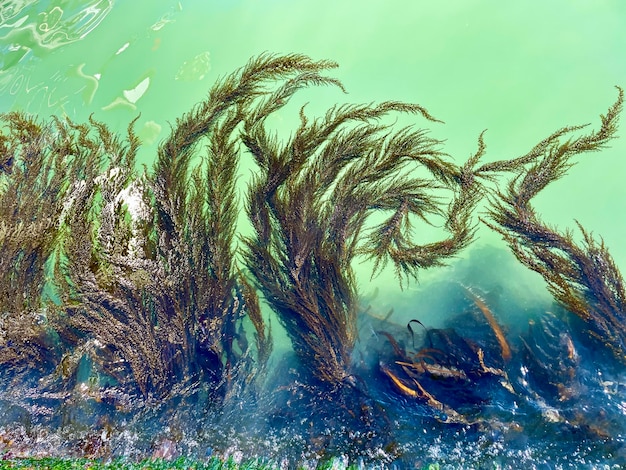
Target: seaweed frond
column 581, row 277
column 102, row 270
column 33, row 184
column 196, row 207
column 309, row 204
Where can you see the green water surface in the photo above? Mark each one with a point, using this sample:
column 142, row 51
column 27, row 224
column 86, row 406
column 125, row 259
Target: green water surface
column 518, row 69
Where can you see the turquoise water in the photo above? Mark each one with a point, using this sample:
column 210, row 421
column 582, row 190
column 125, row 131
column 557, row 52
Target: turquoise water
column 521, row 70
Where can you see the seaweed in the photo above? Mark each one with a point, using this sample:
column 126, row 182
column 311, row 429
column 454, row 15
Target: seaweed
column 105, row 272
column 34, row 180
column 582, row 277
column 552, row 357
column 122, row 287
column 171, row 309
column 145, row 266
column 449, row 372
column 310, row 202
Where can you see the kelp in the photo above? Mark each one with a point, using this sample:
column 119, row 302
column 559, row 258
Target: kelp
column 582, row 277
column 459, row 374
column 553, row 359
column 455, row 375
column 309, row 204
column 505, row 349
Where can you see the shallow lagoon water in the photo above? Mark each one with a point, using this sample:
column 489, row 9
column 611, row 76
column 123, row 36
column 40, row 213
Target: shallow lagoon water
column 520, row 71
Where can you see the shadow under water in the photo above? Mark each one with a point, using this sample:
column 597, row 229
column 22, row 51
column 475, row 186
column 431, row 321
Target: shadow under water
column 131, row 321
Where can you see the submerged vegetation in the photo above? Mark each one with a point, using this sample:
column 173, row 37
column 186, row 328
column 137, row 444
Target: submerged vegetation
column 127, row 294
column 582, row 278
column 309, row 206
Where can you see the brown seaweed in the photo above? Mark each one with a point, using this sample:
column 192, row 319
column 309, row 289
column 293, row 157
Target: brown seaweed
column 150, row 293
column 140, row 272
column 108, row 278
column 582, row 277
column 178, row 301
column 552, row 358
column 459, row 376
column 493, row 324
column 309, row 205
column 33, row 183
column 117, row 284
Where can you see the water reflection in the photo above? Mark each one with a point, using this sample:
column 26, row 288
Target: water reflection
column 45, row 69
column 32, row 30
column 40, row 26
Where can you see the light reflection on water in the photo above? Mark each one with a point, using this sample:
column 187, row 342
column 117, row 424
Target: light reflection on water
column 32, row 31
column 47, row 67
column 39, row 27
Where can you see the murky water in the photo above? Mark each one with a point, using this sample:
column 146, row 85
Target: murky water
column 521, row 71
